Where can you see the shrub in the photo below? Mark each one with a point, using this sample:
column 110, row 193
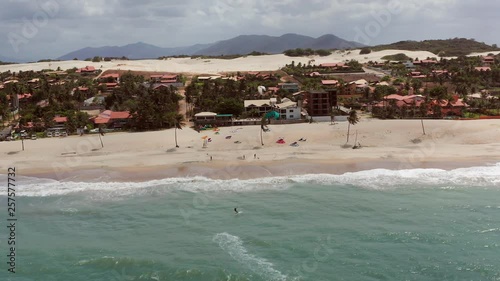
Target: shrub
column 365, row 51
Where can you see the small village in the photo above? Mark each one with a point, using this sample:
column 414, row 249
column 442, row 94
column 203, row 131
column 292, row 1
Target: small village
column 57, row 103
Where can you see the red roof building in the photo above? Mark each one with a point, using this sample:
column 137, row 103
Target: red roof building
column 60, row 119
column 488, row 60
column 87, row 69
column 115, row 119
column 332, row 65
column 329, row 82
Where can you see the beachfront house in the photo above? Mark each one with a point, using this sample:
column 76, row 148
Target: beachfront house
column 112, row 119
column 60, row 122
column 213, row 119
column 289, row 110
column 261, row 106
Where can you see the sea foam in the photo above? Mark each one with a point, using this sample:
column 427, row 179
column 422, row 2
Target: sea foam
column 233, row 246
column 377, row 179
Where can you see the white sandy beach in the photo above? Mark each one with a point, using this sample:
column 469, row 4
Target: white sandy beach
column 397, row 144
column 214, row 66
column 391, row 143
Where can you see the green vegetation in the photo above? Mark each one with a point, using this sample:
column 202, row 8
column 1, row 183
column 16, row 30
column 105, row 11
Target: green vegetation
column 449, row 48
column 227, row 96
column 397, row 57
column 306, row 52
column 365, row 51
column 115, row 58
column 301, row 71
column 6, row 63
column 225, row 57
column 48, row 60
column 150, row 108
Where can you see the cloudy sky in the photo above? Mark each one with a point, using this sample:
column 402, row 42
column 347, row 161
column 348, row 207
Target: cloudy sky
column 36, row 29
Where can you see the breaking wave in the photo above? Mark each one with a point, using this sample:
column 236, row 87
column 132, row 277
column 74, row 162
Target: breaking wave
column 377, row 179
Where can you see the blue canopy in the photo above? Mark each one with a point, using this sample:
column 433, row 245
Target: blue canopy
column 272, row 114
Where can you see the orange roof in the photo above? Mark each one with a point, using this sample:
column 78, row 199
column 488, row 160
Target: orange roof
column 88, row 68
column 169, row 76
column 332, row 64
column 112, row 75
column 394, row 97
column 108, row 115
column 24, row 96
column 329, row 82
column 60, row 119
column 100, row 120
column 120, row 114
column 168, row 81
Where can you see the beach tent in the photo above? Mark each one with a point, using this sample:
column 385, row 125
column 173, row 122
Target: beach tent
column 272, row 115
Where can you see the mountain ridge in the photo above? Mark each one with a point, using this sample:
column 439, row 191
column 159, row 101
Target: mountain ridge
column 242, row 44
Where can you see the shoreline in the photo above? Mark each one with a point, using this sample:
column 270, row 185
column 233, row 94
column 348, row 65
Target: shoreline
column 236, row 152
column 248, row 171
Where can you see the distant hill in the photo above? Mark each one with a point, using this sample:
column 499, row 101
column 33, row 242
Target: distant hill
column 7, row 60
column 138, row 50
column 243, row 44
column 445, row 48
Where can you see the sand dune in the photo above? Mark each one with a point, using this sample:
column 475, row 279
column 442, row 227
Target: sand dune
column 214, row 66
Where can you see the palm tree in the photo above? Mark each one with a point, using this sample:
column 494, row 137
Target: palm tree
column 352, row 119
column 178, row 124
column 263, row 126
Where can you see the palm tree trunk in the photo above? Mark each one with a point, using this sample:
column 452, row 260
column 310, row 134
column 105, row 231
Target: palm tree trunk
column 102, row 144
column 175, row 132
column 348, row 129
column 423, row 129
column 261, row 140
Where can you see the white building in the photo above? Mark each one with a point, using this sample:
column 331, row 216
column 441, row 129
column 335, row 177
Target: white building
column 262, row 106
column 289, row 110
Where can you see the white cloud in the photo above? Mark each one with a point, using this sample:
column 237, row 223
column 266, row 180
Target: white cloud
column 81, row 23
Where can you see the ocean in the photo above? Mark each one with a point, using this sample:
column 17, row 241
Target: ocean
column 422, row 224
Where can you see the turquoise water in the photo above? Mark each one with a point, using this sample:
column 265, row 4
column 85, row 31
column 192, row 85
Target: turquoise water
column 371, row 225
